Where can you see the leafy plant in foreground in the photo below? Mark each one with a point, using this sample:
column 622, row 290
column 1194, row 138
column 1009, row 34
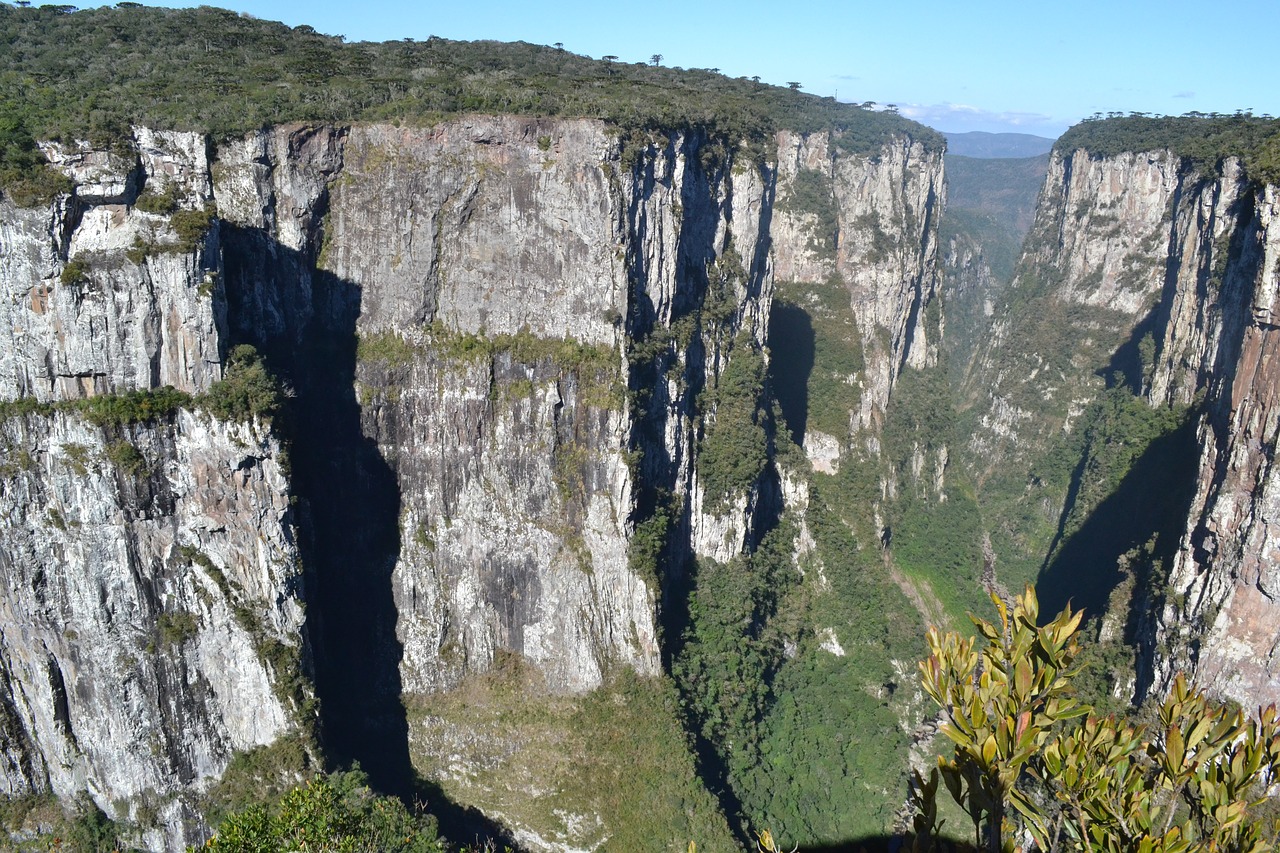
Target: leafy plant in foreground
column 1021, row 773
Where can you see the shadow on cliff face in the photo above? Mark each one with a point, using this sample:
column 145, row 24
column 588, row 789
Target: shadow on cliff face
column 1133, row 532
column 792, row 342
column 303, row 321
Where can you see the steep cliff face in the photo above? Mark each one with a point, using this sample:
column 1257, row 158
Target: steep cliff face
column 1092, row 266
column 1221, row 614
column 511, row 343
column 971, row 290
column 132, row 312
column 141, row 599
column 152, row 621
column 515, row 491
column 878, row 233
column 1145, row 276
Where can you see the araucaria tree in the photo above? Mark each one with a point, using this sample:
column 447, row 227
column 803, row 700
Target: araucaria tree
column 1033, row 768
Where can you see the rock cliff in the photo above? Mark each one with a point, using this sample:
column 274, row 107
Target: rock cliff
column 1151, row 277
column 507, row 342
column 153, row 609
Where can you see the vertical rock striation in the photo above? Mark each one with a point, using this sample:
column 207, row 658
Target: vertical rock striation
column 152, row 616
column 1163, row 278
column 507, row 339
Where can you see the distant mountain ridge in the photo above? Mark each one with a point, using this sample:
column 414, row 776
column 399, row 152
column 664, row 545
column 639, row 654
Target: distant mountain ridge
column 985, row 145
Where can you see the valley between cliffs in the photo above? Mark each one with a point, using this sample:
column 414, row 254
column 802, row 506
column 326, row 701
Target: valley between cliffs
column 594, row 482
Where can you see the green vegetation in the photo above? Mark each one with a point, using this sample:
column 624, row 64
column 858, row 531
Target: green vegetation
column 247, row 389
column 126, row 458
column 596, row 367
column 734, row 646
column 25, row 176
column 550, row 762
column 90, row 74
column 1025, row 764
column 936, row 534
column 735, row 446
column 1202, row 140
column 834, row 739
column 39, row 823
column 388, row 350
column 1053, row 356
column 260, row 775
column 107, row 410
column 177, row 628
column 75, row 272
column 161, row 204
column 190, row 226
column 78, row 457
column 978, row 237
column 1004, row 190
column 648, row 543
column 1115, row 432
column 334, row 812
column 133, row 407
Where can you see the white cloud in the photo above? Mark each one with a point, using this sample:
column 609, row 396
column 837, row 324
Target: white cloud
column 1185, row 95
column 963, row 117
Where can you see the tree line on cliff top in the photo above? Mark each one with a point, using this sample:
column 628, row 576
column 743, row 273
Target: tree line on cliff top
column 90, row 74
column 1202, row 139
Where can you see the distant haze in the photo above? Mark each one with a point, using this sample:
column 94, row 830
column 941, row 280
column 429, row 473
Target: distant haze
column 983, row 145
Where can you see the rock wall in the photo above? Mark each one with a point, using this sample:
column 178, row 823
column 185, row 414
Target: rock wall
column 504, row 337
column 883, row 247
column 153, row 586
column 1221, row 616
column 1094, row 264
column 1161, row 278
column 142, row 592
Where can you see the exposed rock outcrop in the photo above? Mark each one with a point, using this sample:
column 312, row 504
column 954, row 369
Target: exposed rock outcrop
column 1147, row 273
column 506, row 338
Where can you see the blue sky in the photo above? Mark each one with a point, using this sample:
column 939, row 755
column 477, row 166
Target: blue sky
column 993, row 65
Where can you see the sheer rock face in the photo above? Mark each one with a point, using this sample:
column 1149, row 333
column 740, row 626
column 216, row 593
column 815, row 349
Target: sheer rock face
column 1150, row 248
column 1222, row 616
column 883, row 246
column 138, row 596
column 1095, row 255
column 502, row 276
column 147, row 569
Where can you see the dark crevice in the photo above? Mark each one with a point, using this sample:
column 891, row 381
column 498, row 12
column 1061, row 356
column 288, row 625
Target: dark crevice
column 792, row 345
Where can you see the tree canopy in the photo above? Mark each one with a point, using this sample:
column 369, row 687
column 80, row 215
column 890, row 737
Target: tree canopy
column 92, row 73
column 1202, row 139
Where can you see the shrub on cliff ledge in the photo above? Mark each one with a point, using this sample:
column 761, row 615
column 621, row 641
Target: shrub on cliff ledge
column 247, row 390
column 336, row 812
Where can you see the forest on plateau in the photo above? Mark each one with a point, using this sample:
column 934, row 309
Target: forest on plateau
column 441, row 446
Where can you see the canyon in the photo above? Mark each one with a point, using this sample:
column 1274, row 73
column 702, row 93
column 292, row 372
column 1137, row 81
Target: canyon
column 598, row 483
